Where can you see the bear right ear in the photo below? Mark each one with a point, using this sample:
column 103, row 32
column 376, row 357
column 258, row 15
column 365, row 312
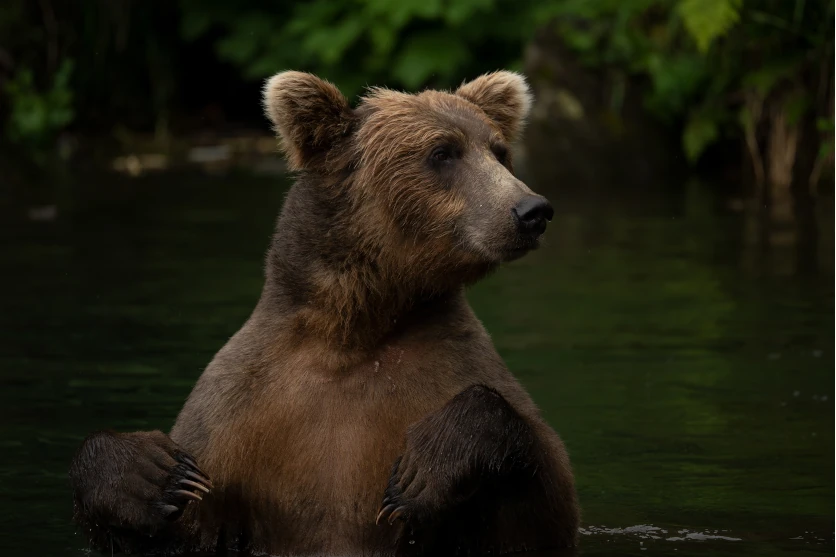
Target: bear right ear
column 504, row 96
column 309, row 115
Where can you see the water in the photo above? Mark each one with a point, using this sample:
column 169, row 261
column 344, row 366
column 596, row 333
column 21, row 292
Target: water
column 689, row 372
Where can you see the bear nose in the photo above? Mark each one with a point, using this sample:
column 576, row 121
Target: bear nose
column 532, row 213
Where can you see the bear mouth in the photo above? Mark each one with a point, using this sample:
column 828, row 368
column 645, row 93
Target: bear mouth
column 520, row 249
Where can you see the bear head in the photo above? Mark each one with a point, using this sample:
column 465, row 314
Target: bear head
column 405, row 193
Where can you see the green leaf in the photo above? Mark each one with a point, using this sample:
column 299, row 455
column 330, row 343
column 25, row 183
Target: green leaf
column 330, row 43
column 768, row 76
column 383, row 39
column 708, row 20
column 36, row 115
column 427, row 54
column 676, row 80
column 459, row 12
column 745, row 119
column 195, row 23
column 824, row 124
column 400, row 13
column 700, row 132
column 795, row 106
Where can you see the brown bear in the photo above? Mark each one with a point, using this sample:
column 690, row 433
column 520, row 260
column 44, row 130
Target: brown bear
column 362, row 409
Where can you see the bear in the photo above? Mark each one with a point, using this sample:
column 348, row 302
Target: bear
column 362, row 408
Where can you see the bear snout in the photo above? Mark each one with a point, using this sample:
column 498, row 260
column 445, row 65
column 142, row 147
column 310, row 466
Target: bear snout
column 531, row 214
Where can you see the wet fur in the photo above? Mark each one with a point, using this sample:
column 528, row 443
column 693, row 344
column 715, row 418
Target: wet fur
column 361, row 352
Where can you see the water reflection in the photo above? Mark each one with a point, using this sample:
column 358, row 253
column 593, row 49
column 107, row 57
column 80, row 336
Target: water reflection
column 648, row 532
column 688, row 368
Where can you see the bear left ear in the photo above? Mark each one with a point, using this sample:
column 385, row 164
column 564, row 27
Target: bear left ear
column 309, row 115
column 504, row 96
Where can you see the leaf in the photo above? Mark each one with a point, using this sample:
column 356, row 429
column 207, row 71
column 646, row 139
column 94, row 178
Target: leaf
column 708, row 20
column 330, row 43
column 766, row 77
column 195, row 23
column 35, row 115
column 459, row 12
column 795, row 106
column 676, row 80
column 383, row 39
column 426, row 54
column 746, row 120
column 824, row 124
column 700, row 132
column 402, row 12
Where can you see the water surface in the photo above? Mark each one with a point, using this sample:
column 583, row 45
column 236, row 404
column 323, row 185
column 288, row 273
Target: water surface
column 689, row 371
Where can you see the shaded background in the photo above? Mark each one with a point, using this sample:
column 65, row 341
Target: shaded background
column 676, row 328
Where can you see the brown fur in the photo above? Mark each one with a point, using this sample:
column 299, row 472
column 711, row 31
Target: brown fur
column 363, row 335
column 307, row 114
column 371, row 180
column 504, row 97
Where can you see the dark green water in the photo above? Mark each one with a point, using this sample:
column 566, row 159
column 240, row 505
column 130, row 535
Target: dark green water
column 689, row 372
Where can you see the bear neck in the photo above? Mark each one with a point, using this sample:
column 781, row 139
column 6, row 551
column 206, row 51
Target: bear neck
column 324, row 288
column 354, row 314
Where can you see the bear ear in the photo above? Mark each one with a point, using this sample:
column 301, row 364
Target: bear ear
column 309, row 115
column 504, row 96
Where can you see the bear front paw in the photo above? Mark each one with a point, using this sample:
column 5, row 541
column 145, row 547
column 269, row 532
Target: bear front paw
column 421, row 487
column 403, row 498
column 186, row 482
column 140, row 481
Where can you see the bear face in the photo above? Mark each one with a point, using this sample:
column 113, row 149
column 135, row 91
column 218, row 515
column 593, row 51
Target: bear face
column 432, row 168
column 399, row 200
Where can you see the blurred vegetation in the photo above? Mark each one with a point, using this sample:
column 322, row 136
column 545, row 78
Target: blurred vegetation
column 37, row 115
column 759, row 72
column 405, row 43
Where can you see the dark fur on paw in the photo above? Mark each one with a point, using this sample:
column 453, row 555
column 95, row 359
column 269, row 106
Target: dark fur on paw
column 402, row 498
column 133, row 482
column 186, row 482
column 476, row 438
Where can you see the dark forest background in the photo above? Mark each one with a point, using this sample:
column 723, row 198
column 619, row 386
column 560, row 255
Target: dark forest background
column 742, row 87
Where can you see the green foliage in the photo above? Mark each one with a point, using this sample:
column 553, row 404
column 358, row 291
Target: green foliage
column 708, row 20
column 700, row 131
column 764, row 79
column 702, row 57
column 36, row 116
column 707, row 64
column 404, row 43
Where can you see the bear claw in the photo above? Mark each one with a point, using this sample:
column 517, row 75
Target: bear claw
column 189, row 494
column 190, row 462
column 384, row 511
column 198, row 478
column 396, row 514
column 195, row 485
column 391, row 513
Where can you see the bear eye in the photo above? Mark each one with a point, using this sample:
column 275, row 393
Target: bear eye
column 441, row 154
column 500, row 152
